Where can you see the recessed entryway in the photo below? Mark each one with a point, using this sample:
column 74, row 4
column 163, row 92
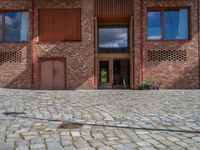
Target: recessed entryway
column 114, row 73
column 113, row 57
column 52, row 73
column 121, row 73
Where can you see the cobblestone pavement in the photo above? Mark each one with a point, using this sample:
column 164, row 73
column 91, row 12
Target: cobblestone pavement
column 113, row 119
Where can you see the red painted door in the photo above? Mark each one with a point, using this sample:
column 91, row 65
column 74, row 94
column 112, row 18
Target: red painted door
column 52, row 74
column 59, row 75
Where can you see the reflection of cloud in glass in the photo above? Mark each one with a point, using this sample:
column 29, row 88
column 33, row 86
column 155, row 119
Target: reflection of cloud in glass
column 9, row 21
column 154, row 25
column 154, row 37
column 152, row 14
column 176, row 24
column 16, row 26
column 113, row 37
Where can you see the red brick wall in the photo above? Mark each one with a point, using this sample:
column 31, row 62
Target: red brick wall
column 16, row 75
column 170, row 74
column 80, row 55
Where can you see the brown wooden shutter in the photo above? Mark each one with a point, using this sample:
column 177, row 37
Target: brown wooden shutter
column 60, row 25
column 46, row 31
column 73, row 24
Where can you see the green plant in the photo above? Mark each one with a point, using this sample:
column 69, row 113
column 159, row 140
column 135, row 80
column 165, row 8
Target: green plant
column 147, row 85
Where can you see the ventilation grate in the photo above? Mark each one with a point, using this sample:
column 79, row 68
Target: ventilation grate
column 167, row 55
column 12, row 56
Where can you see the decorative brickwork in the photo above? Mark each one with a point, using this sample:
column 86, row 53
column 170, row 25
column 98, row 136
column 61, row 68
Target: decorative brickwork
column 172, row 64
column 167, row 55
column 10, row 56
column 173, row 74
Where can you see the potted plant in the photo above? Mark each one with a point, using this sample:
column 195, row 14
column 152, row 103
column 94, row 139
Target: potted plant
column 148, row 85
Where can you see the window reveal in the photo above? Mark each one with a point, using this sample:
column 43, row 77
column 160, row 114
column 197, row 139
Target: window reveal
column 14, row 26
column 168, row 24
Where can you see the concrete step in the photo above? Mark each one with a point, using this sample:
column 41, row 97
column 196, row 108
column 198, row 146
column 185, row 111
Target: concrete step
column 105, row 86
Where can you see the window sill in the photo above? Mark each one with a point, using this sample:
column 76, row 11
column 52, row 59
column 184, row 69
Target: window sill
column 54, row 42
column 23, row 42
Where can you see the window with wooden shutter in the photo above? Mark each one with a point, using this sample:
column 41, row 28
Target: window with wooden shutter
column 60, row 25
column 46, row 32
column 73, row 24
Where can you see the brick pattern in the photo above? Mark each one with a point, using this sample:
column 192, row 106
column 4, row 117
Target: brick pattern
column 12, row 56
column 167, row 55
column 80, row 55
column 173, row 74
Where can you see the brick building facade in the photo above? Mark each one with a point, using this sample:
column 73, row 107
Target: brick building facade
column 30, row 64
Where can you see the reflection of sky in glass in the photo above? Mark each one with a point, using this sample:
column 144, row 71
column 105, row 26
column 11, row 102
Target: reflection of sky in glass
column 154, row 26
column 176, row 24
column 16, row 26
column 0, row 27
column 113, row 37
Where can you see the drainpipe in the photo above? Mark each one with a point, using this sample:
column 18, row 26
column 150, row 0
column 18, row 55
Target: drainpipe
column 198, row 11
column 32, row 41
column 141, row 44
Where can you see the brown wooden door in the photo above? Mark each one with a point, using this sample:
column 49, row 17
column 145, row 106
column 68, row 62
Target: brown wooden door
column 46, row 81
column 59, row 75
column 52, row 74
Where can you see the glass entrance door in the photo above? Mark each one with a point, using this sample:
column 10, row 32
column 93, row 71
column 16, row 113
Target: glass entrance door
column 121, row 73
column 104, row 71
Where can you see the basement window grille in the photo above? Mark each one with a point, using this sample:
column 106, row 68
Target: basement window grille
column 11, row 57
column 167, row 55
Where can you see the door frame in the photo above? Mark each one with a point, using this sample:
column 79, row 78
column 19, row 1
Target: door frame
column 108, row 71
column 110, row 58
column 129, row 70
column 40, row 59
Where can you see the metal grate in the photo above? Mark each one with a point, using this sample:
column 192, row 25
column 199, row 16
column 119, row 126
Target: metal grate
column 12, row 56
column 67, row 125
column 167, row 55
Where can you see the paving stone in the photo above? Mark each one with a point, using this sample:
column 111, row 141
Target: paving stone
column 74, row 134
column 54, row 146
column 80, row 143
column 97, row 144
column 36, row 146
column 163, row 110
column 142, row 144
column 197, row 139
column 106, row 148
column 22, row 148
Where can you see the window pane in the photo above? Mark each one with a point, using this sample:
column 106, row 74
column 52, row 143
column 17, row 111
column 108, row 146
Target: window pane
column 16, row 26
column 113, row 37
column 176, row 24
column 154, row 25
column 0, row 28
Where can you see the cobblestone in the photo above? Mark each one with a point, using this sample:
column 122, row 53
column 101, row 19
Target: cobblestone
column 114, row 120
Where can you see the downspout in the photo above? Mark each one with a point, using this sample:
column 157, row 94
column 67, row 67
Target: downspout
column 95, row 49
column 198, row 11
column 141, row 44
column 32, row 42
column 95, row 43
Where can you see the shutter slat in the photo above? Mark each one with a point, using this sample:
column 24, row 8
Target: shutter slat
column 73, row 24
column 46, row 25
column 59, row 25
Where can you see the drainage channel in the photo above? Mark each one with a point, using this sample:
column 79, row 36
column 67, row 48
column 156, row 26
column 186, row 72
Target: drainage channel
column 66, row 124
